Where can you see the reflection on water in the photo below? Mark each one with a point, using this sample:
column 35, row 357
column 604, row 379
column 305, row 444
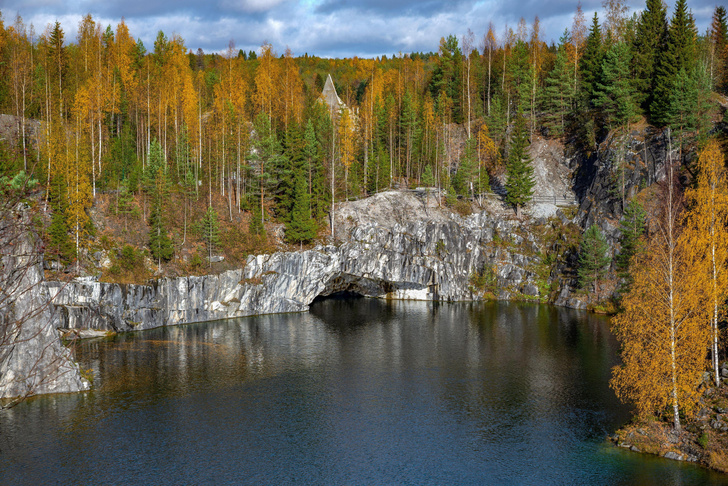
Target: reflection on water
column 357, row 391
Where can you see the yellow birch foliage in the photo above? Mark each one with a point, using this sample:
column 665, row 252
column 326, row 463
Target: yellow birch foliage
column 265, row 79
column 292, row 102
column 124, row 46
column 79, row 167
column 706, row 224
column 346, row 137
column 488, row 156
column 662, row 327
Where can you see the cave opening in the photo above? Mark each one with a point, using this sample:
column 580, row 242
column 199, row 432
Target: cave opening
column 340, row 295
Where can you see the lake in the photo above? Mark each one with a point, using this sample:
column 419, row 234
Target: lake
column 357, row 391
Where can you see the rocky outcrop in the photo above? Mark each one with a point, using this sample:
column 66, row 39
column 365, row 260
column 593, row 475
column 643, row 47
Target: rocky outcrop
column 32, row 358
column 621, row 166
column 420, row 260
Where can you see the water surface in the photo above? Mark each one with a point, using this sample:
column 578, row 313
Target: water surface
column 357, row 391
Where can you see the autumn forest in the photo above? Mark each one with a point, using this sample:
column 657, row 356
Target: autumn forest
column 208, row 150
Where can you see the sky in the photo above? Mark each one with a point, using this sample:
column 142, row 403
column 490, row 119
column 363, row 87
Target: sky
column 325, row 28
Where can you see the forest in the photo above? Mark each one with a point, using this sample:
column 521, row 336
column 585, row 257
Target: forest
column 195, row 152
column 243, row 133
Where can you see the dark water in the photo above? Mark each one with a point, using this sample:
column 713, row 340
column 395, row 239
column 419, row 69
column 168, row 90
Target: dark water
column 355, row 392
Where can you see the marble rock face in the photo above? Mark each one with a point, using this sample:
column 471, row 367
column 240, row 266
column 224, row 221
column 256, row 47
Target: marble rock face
column 421, row 260
column 32, row 357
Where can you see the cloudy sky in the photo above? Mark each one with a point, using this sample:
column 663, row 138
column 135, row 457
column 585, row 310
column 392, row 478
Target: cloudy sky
column 327, row 28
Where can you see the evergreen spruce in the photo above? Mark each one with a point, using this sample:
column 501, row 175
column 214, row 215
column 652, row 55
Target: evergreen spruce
column 159, row 242
column 649, row 41
column 690, row 104
column 679, row 54
column 125, row 203
column 614, row 93
column 428, row 180
column 719, row 53
column 593, row 258
column 591, row 62
column 631, row 228
column 519, row 170
column 301, row 227
column 255, row 226
column 557, row 95
column 60, row 245
column 210, row 232
column 464, row 180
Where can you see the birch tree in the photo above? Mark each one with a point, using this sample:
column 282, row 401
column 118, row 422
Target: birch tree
column 707, row 230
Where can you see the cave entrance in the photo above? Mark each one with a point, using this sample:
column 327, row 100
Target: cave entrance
column 342, row 295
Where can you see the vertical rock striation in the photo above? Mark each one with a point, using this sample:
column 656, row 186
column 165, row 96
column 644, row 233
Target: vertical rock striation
column 32, row 358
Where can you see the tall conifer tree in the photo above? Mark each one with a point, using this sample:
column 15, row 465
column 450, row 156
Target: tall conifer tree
column 679, row 54
column 519, row 169
column 649, row 41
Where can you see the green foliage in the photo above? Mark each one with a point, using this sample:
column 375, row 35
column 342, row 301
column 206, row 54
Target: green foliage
column 519, row 169
column 451, row 197
column 160, row 243
column 446, row 81
column 631, row 228
column 485, row 280
column 301, row 227
column 650, row 37
column 593, row 258
column 428, row 180
column 690, row 103
column 60, row 245
column 591, row 62
column 557, row 95
column 270, row 166
column 465, row 177
column 210, row 232
column 703, row 440
column 255, row 226
column 20, row 182
column 124, row 202
column 614, row 92
column 679, row 54
column 128, row 264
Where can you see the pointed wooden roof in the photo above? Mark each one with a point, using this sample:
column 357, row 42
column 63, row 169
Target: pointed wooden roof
column 329, row 95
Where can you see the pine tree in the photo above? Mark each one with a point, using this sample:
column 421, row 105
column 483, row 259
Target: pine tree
column 719, row 49
column 679, row 54
column 631, row 228
column 60, row 243
column 159, row 242
column 210, row 232
column 593, row 258
column 614, row 93
column 519, row 170
column 690, row 104
column 649, row 41
column 590, row 71
column 591, row 61
column 125, row 203
column 428, row 180
column 256, row 226
column 557, row 95
column 301, row 227
column 465, row 177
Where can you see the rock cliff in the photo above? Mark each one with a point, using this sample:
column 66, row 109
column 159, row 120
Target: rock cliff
column 421, row 260
column 32, row 358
